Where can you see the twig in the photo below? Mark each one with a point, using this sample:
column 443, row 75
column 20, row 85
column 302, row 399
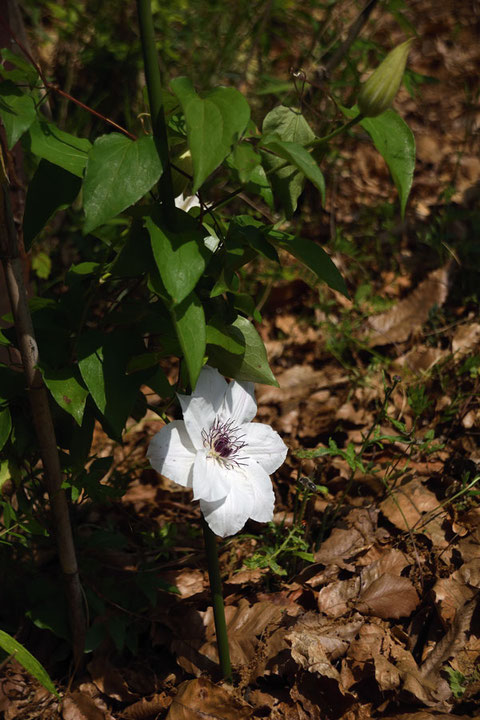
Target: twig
column 42, row 419
column 353, row 33
column 55, row 88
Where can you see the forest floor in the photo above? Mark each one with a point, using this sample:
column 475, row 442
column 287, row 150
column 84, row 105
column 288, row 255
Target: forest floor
column 361, row 600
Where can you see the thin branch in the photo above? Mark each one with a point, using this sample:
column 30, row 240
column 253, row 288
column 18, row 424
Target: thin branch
column 353, row 33
column 42, row 418
column 56, row 89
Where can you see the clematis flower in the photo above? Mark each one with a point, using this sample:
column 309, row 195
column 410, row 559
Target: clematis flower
column 218, row 452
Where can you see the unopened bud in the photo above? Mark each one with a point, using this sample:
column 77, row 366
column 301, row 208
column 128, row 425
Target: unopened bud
column 378, row 93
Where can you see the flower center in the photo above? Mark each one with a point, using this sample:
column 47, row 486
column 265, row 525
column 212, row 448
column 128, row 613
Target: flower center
column 224, row 441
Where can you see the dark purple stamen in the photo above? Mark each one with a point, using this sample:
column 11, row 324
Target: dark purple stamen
column 224, row 439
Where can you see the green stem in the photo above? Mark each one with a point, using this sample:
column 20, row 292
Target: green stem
column 313, row 144
column 341, row 129
column 217, row 600
column 154, row 87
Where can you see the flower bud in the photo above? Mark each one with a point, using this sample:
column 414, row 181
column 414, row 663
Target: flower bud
column 377, row 94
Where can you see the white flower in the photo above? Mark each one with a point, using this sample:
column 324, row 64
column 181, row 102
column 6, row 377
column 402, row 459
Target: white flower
column 186, row 203
column 218, row 452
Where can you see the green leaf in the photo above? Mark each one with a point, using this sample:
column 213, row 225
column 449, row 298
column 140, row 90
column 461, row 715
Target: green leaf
column 68, row 392
column 189, row 321
column 313, row 256
column 51, row 189
column 396, row 144
column 214, row 123
column 119, row 172
column 287, row 182
column 5, row 425
column 180, row 255
column 289, row 124
column 135, row 258
column 245, row 230
column 244, row 160
column 41, row 265
column 300, row 158
column 60, row 148
column 252, row 365
column 103, row 362
column 225, row 336
column 17, row 110
column 24, row 72
column 27, row 661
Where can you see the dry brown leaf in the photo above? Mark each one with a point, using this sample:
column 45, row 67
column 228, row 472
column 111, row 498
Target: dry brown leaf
column 299, row 382
column 469, row 573
column 426, row 715
column 78, row 706
column 397, row 324
column 200, row 699
column 386, row 674
column 450, row 594
column 188, row 581
column 245, row 624
column 340, row 547
column 406, row 505
column 308, row 652
column 145, row 708
column 452, row 642
column 419, row 359
column 334, row 637
column 334, row 599
column 465, row 339
column 194, row 642
column 390, row 596
column 391, row 561
column 109, row 680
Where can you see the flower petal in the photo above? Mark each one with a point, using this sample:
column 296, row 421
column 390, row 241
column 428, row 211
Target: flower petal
column 185, row 203
column 264, row 445
column 212, row 481
column 239, row 404
column 172, row 454
column 198, row 414
column 211, row 385
column 228, row 516
column 200, row 408
column 263, row 495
